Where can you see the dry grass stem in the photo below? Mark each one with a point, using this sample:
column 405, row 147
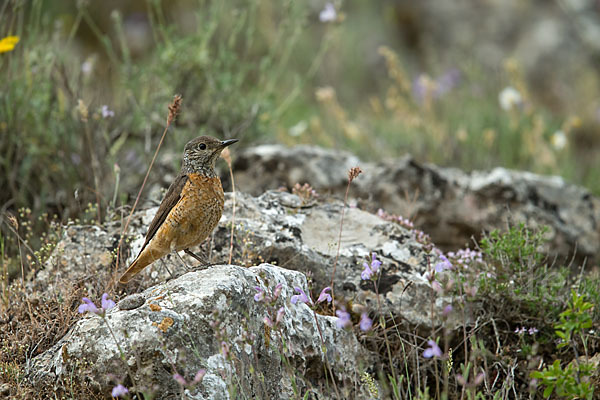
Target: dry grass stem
column 227, row 157
column 352, row 174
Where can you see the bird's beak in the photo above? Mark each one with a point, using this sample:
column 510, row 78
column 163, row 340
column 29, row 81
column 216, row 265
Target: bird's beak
column 226, row 143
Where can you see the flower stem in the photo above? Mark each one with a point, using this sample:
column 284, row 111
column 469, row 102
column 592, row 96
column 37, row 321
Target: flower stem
column 325, row 354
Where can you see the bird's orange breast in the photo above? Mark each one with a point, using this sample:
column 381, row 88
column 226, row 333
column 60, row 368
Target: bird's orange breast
column 195, row 215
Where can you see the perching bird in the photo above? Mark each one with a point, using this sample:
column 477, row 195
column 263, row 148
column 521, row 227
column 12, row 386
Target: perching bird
column 191, row 208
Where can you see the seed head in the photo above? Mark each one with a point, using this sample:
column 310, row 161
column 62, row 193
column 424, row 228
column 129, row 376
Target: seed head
column 353, row 173
column 174, row 108
column 13, row 221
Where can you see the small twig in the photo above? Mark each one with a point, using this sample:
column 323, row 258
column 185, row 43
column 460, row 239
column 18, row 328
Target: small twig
column 227, row 157
column 352, row 174
column 173, row 111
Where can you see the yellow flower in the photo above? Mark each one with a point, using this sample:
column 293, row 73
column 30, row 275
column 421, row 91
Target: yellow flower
column 8, row 43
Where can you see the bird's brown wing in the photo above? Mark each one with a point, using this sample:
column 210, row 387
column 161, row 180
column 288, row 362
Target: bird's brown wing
column 171, row 198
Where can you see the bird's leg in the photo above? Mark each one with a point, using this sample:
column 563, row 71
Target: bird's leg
column 187, row 268
column 167, row 268
column 202, row 259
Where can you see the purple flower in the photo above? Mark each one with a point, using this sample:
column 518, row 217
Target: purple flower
column 106, row 112
column 464, row 257
column 107, row 303
column 366, row 274
column 532, row 331
column 433, row 350
column 277, row 291
column 301, row 297
column 520, row 331
column 343, row 320
column 447, row 310
column 365, row 322
column 260, row 296
column 443, row 265
column 268, row 321
column 375, row 263
column 324, row 295
column 180, row 379
column 199, row 376
column 279, row 316
column 119, row 391
column 371, row 269
column 87, row 306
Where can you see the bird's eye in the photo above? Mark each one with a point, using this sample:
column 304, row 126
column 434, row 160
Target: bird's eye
column 202, row 146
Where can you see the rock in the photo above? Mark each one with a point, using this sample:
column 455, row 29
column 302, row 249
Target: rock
column 305, row 239
column 86, row 252
column 132, row 302
column 275, row 228
column 270, row 166
column 450, row 205
column 174, row 331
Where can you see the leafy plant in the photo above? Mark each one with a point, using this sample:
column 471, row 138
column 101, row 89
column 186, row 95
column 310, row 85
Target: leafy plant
column 566, row 383
column 574, row 319
column 514, row 249
column 515, row 269
column 570, row 382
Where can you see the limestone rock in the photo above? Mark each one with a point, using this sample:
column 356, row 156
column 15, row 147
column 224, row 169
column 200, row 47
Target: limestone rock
column 174, row 331
column 450, row 205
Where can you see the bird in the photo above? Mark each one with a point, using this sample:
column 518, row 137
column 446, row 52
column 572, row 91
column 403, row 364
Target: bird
column 190, row 210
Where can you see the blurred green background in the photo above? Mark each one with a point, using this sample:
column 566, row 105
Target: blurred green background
column 470, row 84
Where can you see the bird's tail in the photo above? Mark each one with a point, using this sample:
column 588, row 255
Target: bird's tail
column 146, row 257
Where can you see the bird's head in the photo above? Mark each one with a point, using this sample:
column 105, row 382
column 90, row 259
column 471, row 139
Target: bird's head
column 200, row 154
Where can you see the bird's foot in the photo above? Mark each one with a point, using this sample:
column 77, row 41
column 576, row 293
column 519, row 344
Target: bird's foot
column 202, row 258
column 201, row 267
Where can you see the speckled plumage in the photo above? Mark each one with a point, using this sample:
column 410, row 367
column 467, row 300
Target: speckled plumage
column 191, row 208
